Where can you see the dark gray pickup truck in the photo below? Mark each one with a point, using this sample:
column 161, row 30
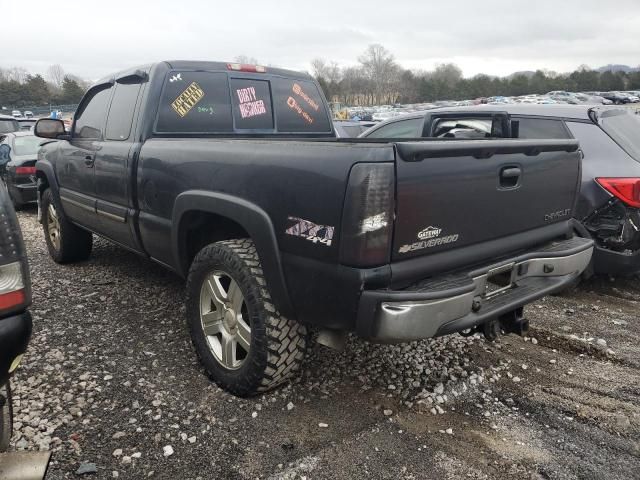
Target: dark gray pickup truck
column 231, row 176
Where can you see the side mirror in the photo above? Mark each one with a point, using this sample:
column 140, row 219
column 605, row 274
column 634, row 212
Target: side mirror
column 5, row 150
column 50, row 128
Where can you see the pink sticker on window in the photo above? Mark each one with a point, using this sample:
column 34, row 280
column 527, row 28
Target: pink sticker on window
column 249, row 105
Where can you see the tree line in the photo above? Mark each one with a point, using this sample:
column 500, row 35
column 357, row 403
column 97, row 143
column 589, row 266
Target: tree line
column 19, row 88
column 378, row 79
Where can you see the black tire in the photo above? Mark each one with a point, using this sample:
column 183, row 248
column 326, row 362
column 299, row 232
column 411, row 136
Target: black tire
column 277, row 344
column 74, row 243
column 6, row 417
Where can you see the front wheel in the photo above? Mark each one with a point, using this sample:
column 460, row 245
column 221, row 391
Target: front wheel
column 66, row 242
column 6, row 417
column 244, row 343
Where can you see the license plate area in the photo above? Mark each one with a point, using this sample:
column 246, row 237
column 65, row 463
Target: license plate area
column 499, row 279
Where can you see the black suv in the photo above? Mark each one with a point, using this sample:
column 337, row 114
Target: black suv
column 15, row 297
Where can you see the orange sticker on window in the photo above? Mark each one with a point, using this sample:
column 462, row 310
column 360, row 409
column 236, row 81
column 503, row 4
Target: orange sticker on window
column 188, row 99
column 295, row 106
column 297, row 89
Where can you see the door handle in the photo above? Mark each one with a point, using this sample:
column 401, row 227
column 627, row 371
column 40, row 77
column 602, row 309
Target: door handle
column 510, row 177
column 510, row 172
column 89, row 159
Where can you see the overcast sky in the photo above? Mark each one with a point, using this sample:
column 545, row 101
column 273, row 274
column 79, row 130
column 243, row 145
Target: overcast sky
column 93, row 38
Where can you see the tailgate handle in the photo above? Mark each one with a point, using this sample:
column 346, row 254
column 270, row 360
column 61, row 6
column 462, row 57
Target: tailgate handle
column 510, row 177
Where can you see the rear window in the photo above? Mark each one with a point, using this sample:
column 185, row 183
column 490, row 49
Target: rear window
column 251, row 101
column 8, row 126
column 217, row 102
column 624, row 128
column 27, row 145
column 299, row 107
column 195, row 102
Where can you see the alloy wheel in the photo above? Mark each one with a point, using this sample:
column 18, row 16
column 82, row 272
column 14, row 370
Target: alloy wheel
column 53, row 226
column 224, row 320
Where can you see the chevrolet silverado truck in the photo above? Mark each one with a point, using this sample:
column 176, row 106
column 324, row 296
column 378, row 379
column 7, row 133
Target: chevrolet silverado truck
column 231, row 175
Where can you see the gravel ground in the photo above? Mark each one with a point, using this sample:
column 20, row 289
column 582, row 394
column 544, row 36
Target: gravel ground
column 111, row 384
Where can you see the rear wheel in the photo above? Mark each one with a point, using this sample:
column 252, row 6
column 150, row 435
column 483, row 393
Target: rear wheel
column 244, row 343
column 66, row 242
column 6, row 417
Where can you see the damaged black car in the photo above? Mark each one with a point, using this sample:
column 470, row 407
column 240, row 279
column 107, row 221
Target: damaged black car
column 609, row 203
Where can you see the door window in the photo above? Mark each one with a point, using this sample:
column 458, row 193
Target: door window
column 89, row 121
column 121, row 112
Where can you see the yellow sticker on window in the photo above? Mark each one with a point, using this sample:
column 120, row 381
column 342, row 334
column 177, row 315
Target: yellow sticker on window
column 188, row 99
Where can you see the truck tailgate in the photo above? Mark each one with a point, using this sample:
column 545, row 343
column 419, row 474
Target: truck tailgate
column 453, row 194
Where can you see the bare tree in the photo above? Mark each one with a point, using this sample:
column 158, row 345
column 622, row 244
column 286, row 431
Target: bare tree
column 381, row 70
column 55, row 74
column 17, row 74
column 330, row 71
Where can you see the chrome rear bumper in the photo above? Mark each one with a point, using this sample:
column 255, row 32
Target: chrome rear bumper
column 461, row 300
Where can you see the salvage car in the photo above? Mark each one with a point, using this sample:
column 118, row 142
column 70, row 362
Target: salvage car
column 19, row 152
column 15, row 320
column 8, row 124
column 350, row 128
column 609, row 203
column 231, row 175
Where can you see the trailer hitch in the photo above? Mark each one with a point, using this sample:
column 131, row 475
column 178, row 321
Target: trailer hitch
column 510, row 322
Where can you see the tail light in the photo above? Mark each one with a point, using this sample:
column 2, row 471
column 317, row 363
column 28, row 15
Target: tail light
column 15, row 290
column 624, row 188
column 25, row 170
column 367, row 220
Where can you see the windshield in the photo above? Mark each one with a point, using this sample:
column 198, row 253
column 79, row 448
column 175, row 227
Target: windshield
column 624, row 128
column 27, row 145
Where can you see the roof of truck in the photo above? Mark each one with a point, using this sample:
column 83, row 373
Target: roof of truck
column 197, row 65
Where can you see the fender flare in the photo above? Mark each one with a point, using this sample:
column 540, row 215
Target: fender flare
column 250, row 217
column 45, row 167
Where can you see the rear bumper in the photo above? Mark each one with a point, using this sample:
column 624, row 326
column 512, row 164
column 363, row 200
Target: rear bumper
column 15, row 332
column 455, row 302
column 608, row 262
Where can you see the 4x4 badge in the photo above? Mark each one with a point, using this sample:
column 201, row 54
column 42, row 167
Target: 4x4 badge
column 429, row 232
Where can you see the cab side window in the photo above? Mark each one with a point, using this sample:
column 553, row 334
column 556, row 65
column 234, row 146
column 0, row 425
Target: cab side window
column 89, row 123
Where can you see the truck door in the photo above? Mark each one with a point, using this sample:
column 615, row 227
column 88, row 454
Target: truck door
column 75, row 164
column 112, row 164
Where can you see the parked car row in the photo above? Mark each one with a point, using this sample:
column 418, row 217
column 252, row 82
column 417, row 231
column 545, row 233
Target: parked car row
column 386, row 112
column 19, row 114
